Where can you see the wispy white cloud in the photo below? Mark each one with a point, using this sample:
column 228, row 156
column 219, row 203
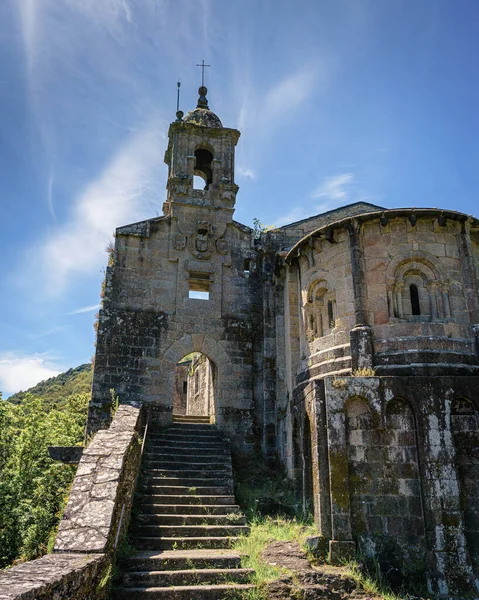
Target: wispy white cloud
column 36, row 336
column 337, row 187
column 84, row 309
column 122, row 193
column 288, row 93
column 295, row 214
column 246, row 173
column 333, row 192
column 21, row 371
column 283, row 97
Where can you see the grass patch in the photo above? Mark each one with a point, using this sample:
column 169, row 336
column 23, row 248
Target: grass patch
column 265, row 530
column 267, row 499
column 369, row 584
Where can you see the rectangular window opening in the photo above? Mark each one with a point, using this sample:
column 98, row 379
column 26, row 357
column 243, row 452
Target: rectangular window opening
column 330, row 314
column 246, row 270
column 199, row 295
column 199, row 286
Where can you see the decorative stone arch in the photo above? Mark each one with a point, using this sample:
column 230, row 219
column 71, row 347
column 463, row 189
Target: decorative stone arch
column 400, row 415
column 359, row 414
column 206, row 145
column 319, row 305
column 416, row 289
column 212, row 349
column 464, row 415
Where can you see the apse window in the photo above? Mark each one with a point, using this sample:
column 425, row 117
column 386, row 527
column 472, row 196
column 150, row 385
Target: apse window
column 199, row 286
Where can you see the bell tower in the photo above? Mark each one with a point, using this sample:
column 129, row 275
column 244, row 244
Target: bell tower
column 201, row 150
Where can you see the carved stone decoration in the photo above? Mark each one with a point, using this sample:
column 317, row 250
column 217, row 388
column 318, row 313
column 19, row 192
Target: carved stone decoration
column 222, row 246
column 179, row 241
column 202, row 243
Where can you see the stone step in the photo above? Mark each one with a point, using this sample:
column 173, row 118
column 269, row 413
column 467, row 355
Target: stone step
column 187, row 531
column 184, row 430
column 192, row 419
column 186, row 577
column 181, row 559
column 181, row 519
column 199, row 592
column 183, row 490
column 154, row 463
column 184, row 473
column 190, row 509
column 152, row 479
column 188, row 442
column 200, row 436
column 188, row 450
column 189, row 458
column 188, row 499
column 183, row 543
column 180, row 465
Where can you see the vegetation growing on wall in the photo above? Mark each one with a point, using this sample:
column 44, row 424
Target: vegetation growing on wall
column 33, row 487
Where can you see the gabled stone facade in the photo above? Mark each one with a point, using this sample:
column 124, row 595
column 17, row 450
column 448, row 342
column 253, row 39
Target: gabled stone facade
column 345, row 346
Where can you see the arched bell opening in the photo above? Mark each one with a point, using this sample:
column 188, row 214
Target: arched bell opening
column 203, row 168
column 195, row 386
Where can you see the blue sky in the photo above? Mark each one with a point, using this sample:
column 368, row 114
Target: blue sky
column 337, row 101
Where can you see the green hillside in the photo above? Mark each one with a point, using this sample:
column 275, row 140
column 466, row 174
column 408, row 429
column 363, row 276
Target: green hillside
column 55, row 390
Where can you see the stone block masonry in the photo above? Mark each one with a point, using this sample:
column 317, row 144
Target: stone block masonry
column 102, row 492
column 400, row 455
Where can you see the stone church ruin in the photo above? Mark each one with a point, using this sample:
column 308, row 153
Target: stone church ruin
column 343, row 347
column 291, row 322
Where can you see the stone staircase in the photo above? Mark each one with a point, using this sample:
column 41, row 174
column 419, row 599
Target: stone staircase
column 186, row 521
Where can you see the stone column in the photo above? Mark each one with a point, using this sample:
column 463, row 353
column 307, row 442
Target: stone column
column 449, row 570
column 341, row 545
column 268, row 370
column 431, row 289
column 471, row 283
column 319, row 313
column 357, row 271
column 322, row 503
column 391, row 303
column 399, row 291
column 446, row 301
column 362, row 352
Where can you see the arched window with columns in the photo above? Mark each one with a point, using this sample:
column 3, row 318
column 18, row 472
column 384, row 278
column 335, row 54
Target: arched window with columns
column 418, row 293
column 320, row 310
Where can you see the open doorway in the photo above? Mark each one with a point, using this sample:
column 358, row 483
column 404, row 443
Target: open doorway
column 195, row 382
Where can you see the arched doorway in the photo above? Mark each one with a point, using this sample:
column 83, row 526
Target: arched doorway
column 194, row 387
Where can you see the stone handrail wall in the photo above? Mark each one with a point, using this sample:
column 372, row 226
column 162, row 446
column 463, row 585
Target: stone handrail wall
column 95, row 518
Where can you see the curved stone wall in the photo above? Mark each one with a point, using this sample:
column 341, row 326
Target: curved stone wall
column 410, row 275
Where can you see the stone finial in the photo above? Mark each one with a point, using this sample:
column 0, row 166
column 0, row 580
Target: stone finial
column 202, row 100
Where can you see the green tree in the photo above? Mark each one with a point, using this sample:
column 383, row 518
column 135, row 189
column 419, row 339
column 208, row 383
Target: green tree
column 33, row 487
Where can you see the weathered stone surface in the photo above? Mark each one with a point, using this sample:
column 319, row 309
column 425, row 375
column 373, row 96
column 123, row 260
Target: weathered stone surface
column 103, row 487
column 55, row 577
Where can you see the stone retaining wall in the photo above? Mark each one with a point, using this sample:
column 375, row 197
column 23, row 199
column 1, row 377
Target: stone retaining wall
column 95, row 518
column 56, row 577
